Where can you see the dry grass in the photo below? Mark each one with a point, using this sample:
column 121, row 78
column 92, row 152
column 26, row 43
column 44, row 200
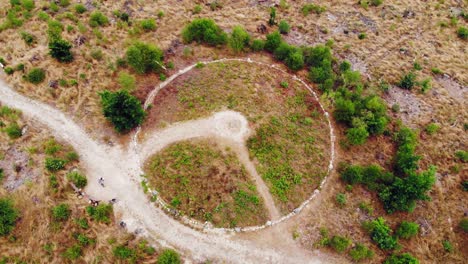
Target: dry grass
column 393, row 43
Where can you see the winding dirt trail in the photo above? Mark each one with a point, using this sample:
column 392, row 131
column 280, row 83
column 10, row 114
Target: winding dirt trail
column 121, row 170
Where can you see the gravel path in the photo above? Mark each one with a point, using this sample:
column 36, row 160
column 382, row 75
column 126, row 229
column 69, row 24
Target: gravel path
column 121, row 170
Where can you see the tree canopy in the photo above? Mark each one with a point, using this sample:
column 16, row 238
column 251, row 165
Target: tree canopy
column 144, row 58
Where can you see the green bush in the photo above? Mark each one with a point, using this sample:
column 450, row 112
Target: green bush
column 403, row 193
column 8, row 216
column 123, row 110
column 284, row 27
column 432, row 128
column 2, row 175
column 100, row 213
column 408, row 81
column 309, row 8
column 239, row 39
column 127, row 81
column 9, row 70
column 74, row 252
column 98, row 19
column 463, row 225
column 78, row 179
column 123, row 252
column 204, row 30
column 28, row 4
column 61, row 212
column 54, row 30
column 28, row 38
column 273, row 40
column 80, row 9
column 148, row 24
column 404, row 258
column 35, row 76
column 295, row 60
column 82, row 223
column 272, row 19
column 345, row 66
column 361, row 252
column 169, row 256
column 197, row 9
column 144, row 58
column 462, row 33
column 407, row 230
column 258, row 45
column 462, row 155
column 60, row 50
column 340, row 199
column 13, row 131
column 352, row 174
column 381, row 234
column 357, row 135
column 54, row 164
column 339, row 243
column 447, row 246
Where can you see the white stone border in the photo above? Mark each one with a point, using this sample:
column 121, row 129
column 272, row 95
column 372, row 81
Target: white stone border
column 207, row 226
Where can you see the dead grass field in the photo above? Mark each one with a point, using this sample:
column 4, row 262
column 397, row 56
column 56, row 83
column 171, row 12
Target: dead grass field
column 399, row 33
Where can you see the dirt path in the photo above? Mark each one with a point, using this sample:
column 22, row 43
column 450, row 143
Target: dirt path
column 229, row 126
column 121, row 170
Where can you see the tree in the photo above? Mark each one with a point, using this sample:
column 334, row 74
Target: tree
column 204, row 30
column 168, row 256
column 239, row 39
column 144, row 58
column 123, row 110
column 60, row 50
column 8, row 216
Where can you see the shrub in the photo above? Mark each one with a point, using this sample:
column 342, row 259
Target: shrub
column 272, row 19
column 127, row 81
column 295, row 60
column 258, row 45
column 404, row 258
column 407, row 230
column 80, row 9
column 28, row 4
column 284, row 27
column 357, row 135
column 381, row 234
column 100, row 213
column 13, row 131
column 436, row 71
column 2, row 174
column 28, row 38
column 8, row 216
column 360, row 252
column 54, row 164
column 79, row 180
column 462, row 155
column 61, row 212
column 408, row 81
column 123, row 252
column 35, row 76
column 98, row 19
column 73, row 252
column 239, row 39
column 462, row 33
column 60, row 50
column 97, row 54
column 204, row 30
column 352, row 174
column 123, row 110
column 345, row 66
column 197, row 9
column 148, row 24
column 432, row 128
column 316, row 56
column 168, row 256
column 447, row 246
column 273, row 40
column 144, row 58
column 339, row 243
column 9, row 70
column 463, row 225
column 403, row 193
column 82, row 223
column 309, row 8
column 54, row 30
column 340, row 199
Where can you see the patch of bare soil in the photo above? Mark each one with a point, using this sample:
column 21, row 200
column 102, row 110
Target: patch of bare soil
column 456, row 90
column 18, row 168
column 413, row 109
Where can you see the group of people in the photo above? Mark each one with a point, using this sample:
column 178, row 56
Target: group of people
column 79, row 192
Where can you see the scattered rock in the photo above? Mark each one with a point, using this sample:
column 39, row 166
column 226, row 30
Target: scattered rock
column 408, row 13
column 53, row 84
column 80, row 40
